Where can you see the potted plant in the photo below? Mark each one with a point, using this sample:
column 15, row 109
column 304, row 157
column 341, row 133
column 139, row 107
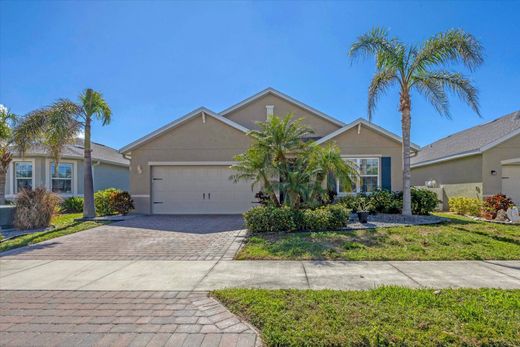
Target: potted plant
column 363, row 210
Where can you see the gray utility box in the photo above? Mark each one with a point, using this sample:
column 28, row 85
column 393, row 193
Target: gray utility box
column 7, row 216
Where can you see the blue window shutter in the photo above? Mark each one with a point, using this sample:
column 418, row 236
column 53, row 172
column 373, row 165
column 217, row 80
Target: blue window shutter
column 386, row 173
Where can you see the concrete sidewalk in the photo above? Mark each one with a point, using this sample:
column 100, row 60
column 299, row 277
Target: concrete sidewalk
column 209, row 275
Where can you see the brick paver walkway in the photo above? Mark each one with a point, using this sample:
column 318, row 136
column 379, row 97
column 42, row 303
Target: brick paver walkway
column 119, row 318
column 145, row 238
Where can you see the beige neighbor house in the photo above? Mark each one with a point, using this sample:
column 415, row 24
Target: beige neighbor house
column 475, row 162
column 184, row 167
column 36, row 169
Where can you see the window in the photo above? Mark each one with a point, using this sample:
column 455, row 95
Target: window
column 62, row 182
column 23, row 175
column 368, row 180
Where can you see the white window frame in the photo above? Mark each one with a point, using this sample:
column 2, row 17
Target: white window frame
column 74, row 183
column 12, row 188
column 357, row 160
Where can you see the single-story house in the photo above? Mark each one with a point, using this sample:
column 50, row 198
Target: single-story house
column 36, row 169
column 476, row 162
column 184, row 166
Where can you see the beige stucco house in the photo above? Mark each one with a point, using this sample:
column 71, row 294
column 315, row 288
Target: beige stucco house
column 475, row 162
column 183, row 167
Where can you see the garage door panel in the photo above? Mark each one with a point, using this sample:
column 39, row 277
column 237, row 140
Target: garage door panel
column 198, row 190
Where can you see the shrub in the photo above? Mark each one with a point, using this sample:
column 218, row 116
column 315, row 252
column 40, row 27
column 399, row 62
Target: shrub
column 34, row 208
column 465, row 206
column 385, row 201
column 424, row 201
column 339, row 216
column 273, row 219
column 497, row 202
column 269, row 219
column 316, row 220
column 73, row 204
column 352, row 202
column 121, row 202
column 102, row 201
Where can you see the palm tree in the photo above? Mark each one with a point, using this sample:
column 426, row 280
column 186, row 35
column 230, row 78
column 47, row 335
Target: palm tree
column 255, row 166
column 92, row 105
column 58, row 125
column 421, row 69
column 7, row 120
column 328, row 165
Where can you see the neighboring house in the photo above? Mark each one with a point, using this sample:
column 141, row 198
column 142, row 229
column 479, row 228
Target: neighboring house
column 475, row 162
column 183, row 167
column 36, row 169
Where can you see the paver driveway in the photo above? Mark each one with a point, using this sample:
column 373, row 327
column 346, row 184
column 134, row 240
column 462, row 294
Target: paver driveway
column 119, row 318
column 201, row 237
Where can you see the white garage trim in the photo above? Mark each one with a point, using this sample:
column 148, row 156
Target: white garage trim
column 510, row 161
column 191, row 163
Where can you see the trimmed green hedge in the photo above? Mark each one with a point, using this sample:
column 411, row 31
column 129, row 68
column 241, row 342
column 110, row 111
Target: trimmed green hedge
column 273, row 219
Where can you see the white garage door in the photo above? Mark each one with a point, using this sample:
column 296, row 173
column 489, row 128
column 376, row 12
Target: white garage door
column 198, row 190
column 511, row 182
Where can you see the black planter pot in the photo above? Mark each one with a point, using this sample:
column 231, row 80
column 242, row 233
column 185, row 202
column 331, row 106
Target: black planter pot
column 363, row 217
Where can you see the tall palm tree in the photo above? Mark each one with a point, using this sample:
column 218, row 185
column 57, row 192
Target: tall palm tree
column 57, row 125
column 421, row 69
column 92, row 106
column 7, row 120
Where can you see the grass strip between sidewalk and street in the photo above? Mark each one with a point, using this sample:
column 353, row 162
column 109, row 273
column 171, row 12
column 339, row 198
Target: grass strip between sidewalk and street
column 379, row 317
column 461, row 238
column 64, row 225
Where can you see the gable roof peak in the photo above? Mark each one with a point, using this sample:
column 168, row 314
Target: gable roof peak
column 271, row 90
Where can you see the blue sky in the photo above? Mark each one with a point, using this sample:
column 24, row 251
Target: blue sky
column 156, row 61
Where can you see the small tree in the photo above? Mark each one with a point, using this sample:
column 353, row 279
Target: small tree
column 7, row 120
column 52, row 127
column 281, row 160
column 420, row 69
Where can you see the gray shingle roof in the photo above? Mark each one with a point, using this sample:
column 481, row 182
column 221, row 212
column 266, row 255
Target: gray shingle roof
column 99, row 152
column 469, row 141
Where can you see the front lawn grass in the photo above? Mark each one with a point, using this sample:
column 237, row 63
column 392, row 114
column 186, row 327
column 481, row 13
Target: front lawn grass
column 460, row 238
column 64, row 225
column 387, row 316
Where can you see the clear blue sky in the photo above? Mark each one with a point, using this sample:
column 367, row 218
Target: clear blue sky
column 156, row 61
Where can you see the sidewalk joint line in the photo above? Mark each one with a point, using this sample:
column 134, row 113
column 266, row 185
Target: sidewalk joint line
column 484, row 262
column 408, row 276
column 108, row 274
column 28, row 268
column 306, row 276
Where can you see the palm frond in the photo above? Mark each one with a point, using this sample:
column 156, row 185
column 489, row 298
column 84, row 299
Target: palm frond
column 455, row 82
column 452, row 46
column 381, row 81
column 94, row 104
column 388, row 52
column 434, row 92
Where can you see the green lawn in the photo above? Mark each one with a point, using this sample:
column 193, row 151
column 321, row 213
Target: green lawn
column 461, row 238
column 380, row 317
column 64, row 225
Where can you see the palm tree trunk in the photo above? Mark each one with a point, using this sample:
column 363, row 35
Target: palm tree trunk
column 405, row 108
column 89, row 210
column 2, row 186
column 269, row 188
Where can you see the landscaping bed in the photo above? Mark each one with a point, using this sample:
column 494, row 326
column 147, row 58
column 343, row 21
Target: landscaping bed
column 384, row 220
column 383, row 316
column 459, row 239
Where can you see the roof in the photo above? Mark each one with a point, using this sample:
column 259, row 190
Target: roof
column 282, row 96
column 470, row 141
column 100, row 152
column 177, row 122
column 368, row 125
